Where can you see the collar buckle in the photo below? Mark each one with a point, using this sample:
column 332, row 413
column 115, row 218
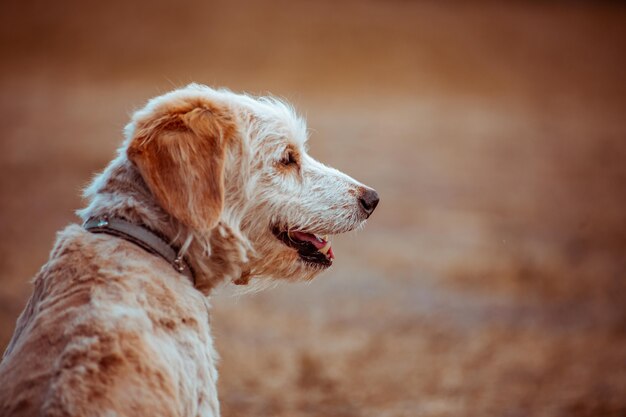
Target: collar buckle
column 179, row 263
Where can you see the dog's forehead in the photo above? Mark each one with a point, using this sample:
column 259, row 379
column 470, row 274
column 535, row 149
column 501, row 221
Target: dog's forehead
column 276, row 122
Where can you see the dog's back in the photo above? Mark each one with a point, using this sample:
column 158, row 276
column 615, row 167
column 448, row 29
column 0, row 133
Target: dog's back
column 109, row 330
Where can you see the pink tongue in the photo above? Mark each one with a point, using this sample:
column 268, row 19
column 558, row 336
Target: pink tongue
column 308, row 237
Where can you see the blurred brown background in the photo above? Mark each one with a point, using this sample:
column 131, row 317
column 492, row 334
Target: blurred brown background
column 491, row 279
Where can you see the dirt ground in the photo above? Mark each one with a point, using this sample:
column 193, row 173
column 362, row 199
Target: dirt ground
column 491, row 281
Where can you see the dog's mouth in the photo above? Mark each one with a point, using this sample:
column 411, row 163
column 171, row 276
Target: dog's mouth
column 312, row 249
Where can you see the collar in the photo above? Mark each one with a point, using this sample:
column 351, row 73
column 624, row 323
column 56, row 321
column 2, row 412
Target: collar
column 143, row 237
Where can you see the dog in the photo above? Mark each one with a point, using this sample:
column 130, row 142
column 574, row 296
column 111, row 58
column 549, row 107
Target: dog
column 208, row 187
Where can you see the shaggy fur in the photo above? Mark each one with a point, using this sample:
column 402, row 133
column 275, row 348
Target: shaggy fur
column 112, row 330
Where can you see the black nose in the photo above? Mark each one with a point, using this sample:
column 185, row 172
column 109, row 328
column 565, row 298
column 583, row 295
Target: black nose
column 368, row 200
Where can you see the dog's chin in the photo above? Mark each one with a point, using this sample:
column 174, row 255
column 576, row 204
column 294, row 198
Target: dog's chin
column 277, row 261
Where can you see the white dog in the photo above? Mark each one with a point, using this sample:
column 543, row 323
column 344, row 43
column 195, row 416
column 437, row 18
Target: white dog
column 208, row 187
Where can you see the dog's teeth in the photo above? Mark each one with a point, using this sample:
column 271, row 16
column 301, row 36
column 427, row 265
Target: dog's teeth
column 325, row 249
column 319, row 239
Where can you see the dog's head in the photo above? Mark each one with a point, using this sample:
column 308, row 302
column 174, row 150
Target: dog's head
column 212, row 157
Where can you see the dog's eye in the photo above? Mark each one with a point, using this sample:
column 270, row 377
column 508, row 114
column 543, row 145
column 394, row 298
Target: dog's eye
column 289, row 159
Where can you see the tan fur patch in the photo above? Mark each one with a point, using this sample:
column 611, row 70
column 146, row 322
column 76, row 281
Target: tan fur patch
column 180, row 153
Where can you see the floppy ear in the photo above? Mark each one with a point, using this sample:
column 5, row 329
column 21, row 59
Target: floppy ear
column 179, row 150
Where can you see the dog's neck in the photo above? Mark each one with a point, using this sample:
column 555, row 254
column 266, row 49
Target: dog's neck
column 119, row 191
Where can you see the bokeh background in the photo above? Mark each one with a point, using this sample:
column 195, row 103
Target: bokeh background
column 491, row 279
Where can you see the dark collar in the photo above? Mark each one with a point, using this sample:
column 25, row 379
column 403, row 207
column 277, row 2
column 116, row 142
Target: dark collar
column 142, row 237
